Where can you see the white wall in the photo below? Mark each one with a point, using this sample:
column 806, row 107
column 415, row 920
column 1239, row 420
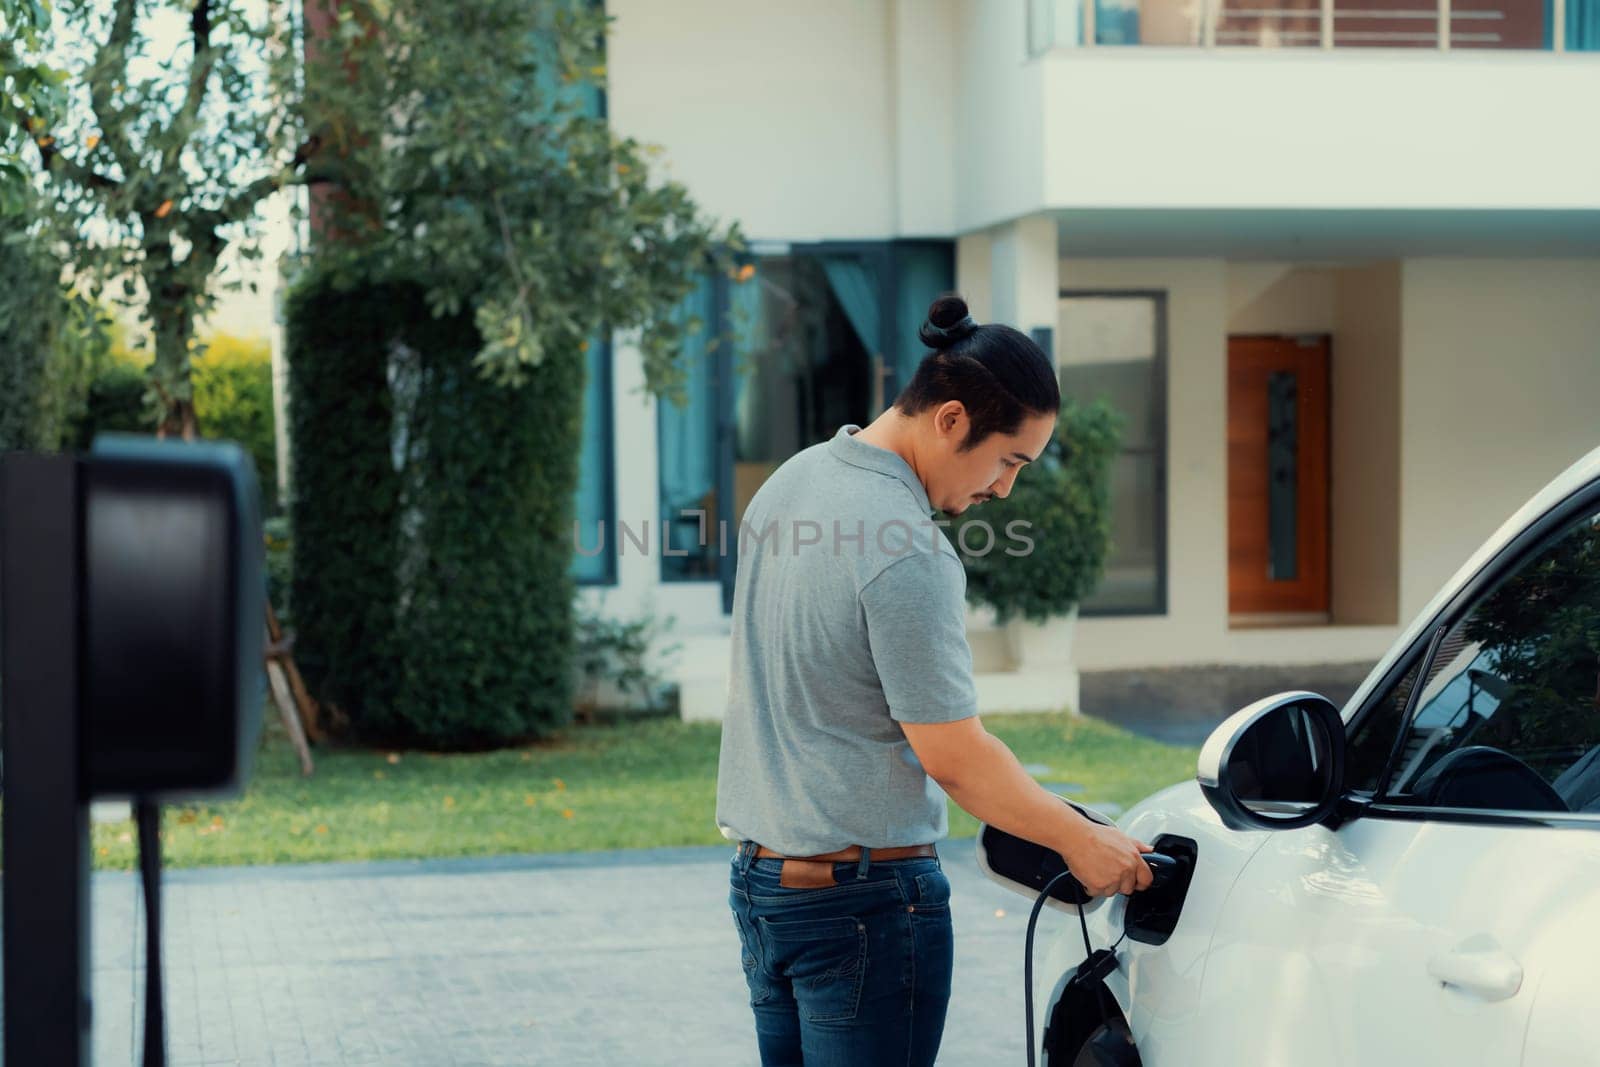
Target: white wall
column 1197, row 530
column 1500, row 390
column 1364, row 496
column 877, row 118
column 779, row 116
column 1460, row 388
column 1173, row 127
column 1000, row 136
column 829, row 120
column 925, row 95
column 1205, row 297
column 1280, row 298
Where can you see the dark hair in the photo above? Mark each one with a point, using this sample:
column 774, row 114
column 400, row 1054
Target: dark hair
column 998, row 373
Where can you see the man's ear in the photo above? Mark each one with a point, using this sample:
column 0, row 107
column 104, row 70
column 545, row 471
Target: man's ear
column 949, row 418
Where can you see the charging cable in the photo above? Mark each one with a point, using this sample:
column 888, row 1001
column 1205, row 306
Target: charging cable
column 148, row 815
column 1097, row 964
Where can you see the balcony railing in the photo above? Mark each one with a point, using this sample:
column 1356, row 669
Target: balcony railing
column 1525, row 25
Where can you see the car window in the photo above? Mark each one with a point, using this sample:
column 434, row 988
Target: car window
column 1509, row 714
column 1367, row 750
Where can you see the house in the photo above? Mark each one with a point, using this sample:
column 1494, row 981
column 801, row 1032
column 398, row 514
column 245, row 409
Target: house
column 1338, row 266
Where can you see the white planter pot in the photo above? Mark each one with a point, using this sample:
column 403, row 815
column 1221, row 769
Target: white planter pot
column 1039, row 645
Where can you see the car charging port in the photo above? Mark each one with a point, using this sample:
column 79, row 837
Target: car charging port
column 1152, row 915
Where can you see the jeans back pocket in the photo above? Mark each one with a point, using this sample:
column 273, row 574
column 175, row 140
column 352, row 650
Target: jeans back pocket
column 825, row 959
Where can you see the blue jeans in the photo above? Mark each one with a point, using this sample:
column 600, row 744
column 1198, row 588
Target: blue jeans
column 853, row 975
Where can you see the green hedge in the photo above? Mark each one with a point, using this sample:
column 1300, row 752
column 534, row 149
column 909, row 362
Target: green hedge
column 344, row 494
column 432, row 596
column 115, row 404
column 33, row 312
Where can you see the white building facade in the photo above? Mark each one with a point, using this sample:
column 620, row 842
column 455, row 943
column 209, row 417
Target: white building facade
column 1338, row 265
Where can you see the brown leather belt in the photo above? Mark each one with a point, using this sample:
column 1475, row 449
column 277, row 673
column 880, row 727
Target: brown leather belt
column 816, row 872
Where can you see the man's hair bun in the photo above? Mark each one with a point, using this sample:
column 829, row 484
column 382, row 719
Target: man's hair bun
column 948, row 323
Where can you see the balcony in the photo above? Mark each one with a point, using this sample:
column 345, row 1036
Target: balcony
column 1444, row 25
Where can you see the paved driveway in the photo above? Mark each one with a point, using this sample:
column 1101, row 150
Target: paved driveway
column 613, row 958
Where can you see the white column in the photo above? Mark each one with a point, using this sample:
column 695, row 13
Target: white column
column 1024, row 270
column 637, row 483
column 973, row 252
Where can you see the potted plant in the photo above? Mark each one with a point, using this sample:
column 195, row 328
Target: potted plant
column 1050, row 537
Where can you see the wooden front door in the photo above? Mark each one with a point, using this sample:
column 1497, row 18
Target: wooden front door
column 1277, row 476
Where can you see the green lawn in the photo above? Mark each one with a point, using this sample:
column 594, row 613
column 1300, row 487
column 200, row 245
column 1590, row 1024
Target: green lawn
column 633, row 785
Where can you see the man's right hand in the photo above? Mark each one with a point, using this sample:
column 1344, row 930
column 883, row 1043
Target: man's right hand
column 981, row 774
column 1106, row 860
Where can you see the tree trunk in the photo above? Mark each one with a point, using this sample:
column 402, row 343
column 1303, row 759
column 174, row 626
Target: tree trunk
column 172, row 318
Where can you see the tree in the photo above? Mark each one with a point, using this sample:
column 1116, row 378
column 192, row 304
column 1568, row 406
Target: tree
column 472, row 159
column 157, row 142
column 31, row 87
column 485, row 229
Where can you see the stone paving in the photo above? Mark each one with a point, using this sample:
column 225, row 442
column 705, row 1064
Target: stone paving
column 611, row 958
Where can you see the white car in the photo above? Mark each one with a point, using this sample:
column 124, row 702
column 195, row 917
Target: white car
column 1413, row 880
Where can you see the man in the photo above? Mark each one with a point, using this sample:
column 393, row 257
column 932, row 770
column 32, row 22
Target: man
column 851, row 702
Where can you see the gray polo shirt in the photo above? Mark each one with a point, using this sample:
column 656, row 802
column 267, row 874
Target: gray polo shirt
column 848, row 619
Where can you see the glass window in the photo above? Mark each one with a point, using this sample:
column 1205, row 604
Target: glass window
column 805, row 330
column 1148, row 22
column 807, row 339
column 1509, row 717
column 1582, row 26
column 594, row 506
column 1111, row 348
column 923, row 271
column 686, row 439
column 1283, row 476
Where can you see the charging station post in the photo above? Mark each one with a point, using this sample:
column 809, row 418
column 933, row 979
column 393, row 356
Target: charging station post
column 46, row 818
column 132, row 602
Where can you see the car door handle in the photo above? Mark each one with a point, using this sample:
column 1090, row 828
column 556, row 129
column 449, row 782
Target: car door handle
column 1480, row 966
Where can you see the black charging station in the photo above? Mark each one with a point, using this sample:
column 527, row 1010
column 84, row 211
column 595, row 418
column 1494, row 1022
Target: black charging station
column 131, row 637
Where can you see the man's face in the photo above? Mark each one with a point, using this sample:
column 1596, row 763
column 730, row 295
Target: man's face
column 960, row 479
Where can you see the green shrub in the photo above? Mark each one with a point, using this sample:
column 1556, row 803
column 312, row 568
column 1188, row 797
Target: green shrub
column 31, row 310
column 343, row 506
column 115, row 404
column 232, row 383
column 47, row 340
column 1065, row 498
column 432, row 522
column 486, row 500
column 280, row 565
column 617, row 652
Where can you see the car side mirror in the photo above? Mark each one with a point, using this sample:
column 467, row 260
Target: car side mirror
column 1276, row 765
